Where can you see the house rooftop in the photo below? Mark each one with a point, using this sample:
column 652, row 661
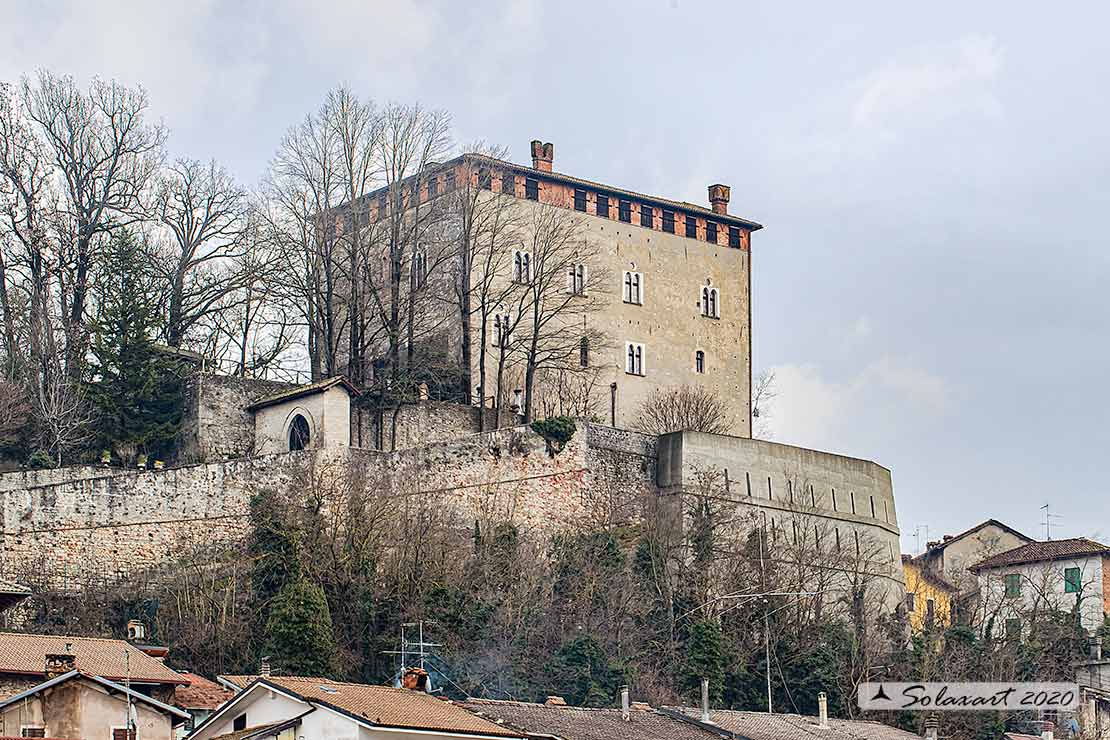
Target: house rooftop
column 25, row 654
column 764, row 726
column 582, row 723
column 200, row 693
column 303, row 390
column 1040, row 552
column 387, row 706
column 948, row 539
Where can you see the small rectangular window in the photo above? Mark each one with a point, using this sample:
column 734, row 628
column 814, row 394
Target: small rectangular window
column 1013, row 629
column 930, row 610
column 733, row 236
column 647, row 216
column 910, row 602
column 711, row 232
column 580, row 200
column 432, row 183
column 1012, row 583
column 531, row 188
column 603, row 205
column 691, row 227
column 33, row 732
column 485, row 179
column 508, row 183
column 872, row 507
column 383, row 200
column 449, row 180
column 584, row 352
column 624, row 211
column 668, row 221
column 1073, row 581
column 699, row 362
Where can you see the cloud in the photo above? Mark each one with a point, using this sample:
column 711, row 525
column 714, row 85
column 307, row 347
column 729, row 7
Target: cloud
column 812, row 410
column 934, row 81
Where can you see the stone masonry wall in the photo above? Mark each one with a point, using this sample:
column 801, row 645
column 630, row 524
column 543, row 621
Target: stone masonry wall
column 78, row 525
column 216, row 424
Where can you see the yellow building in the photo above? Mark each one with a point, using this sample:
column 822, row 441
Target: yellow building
column 929, row 598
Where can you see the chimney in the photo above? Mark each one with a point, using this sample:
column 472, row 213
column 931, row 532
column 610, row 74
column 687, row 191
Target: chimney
column 624, row 703
column 932, row 724
column 58, row 664
column 415, row 679
column 822, row 710
column 136, row 630
column 542, row 155
column 555, row 701
column 517, row 404
column 264, row 669
column 705, row 700
column 1046, row 731
column 718, row 198
column 1094, row 644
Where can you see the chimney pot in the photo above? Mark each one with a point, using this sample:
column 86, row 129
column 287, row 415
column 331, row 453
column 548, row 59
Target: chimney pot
column 822, row 710
column 264, row 669
column 543, row 154
column 136, row 630
column 624, row 704
column 932, row 724
column 718, row 198
column 705, row 700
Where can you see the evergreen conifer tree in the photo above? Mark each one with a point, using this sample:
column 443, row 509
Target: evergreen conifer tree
column 136, row 389
column 299, row 632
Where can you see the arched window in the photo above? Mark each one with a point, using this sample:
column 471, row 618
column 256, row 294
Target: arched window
column 584, row 352
column 699, row 361
column 419, row 269
column 298, row 433
column 710, row 298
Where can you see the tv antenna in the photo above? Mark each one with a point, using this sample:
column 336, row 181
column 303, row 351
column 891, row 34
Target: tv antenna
column 917, row 537
column 1048, row 517
column 417, row 649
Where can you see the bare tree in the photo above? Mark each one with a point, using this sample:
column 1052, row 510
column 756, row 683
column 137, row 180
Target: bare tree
column 63, row 415
column 763, row 394
column 204, row 212
column 105, row 154
column 684, row 408
column 486, row 226
column 26, row 247
column 561, row 287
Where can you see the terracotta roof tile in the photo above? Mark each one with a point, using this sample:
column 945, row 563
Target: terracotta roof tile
column 242, row 681
column 1038, row 552
column 581, row 723
column 200, row 693
column 384, row 705
column 763, row 726
column 26, row 655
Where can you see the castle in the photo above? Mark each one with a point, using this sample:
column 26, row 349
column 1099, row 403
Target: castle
column 675, row 303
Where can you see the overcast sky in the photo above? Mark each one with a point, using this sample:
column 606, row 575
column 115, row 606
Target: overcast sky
column 931, row 287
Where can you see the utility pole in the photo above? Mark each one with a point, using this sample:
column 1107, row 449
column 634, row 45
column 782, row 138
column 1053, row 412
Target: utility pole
column 766, row 615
